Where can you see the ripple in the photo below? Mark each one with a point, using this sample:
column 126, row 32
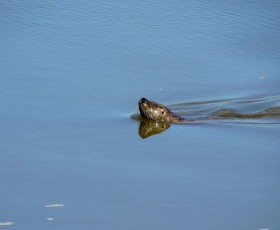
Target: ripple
column 54, row 205
column 8, row 223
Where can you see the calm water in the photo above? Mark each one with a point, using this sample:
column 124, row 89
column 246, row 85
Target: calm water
column 71, row 75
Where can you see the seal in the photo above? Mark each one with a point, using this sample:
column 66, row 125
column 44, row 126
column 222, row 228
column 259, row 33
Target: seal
column 157, row 112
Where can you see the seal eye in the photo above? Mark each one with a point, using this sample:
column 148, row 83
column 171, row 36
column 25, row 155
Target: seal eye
column 162, row 112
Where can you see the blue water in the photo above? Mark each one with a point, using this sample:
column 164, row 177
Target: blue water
column 71, row 75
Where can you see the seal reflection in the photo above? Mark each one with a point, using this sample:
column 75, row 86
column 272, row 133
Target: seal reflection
column 148, row 127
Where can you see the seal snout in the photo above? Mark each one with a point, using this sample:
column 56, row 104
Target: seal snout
column 142, row 100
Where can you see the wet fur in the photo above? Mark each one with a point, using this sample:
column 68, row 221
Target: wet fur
column 157, row 112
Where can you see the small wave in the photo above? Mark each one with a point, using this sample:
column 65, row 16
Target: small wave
column 6, row 223
column 54, row 205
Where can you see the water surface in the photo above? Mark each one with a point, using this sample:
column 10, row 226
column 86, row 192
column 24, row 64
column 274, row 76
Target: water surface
column 71, row 76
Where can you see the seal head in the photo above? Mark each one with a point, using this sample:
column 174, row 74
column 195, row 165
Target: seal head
column 157, row 112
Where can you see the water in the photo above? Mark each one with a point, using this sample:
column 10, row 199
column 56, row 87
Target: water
column 71, row 76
